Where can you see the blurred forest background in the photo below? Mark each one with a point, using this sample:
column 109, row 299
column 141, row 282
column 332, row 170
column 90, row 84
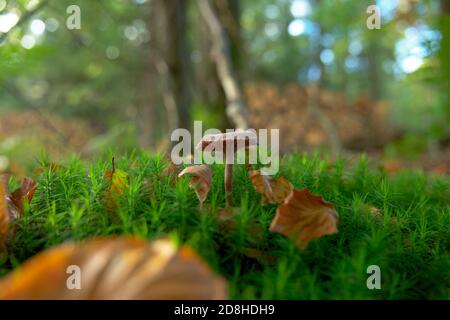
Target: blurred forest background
column 137, row 69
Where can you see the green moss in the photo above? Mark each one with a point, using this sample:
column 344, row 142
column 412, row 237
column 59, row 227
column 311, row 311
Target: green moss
column 410, row 240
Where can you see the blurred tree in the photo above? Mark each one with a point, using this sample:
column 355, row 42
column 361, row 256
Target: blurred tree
column 210, row 90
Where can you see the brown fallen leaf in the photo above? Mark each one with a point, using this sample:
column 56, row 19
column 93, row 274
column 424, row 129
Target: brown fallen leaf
column 304, row 216
column 272, row 190
column 5, row 214
column 22, row 194
column 115, row 268
column 201, row 176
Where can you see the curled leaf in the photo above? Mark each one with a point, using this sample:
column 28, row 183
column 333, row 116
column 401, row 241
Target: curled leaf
column 115, row 268
column 5, row 214
column 272, row 190
column 22, row 194
column 118, row 181
column 304, row 216
column 118, row 184
column 201, row 176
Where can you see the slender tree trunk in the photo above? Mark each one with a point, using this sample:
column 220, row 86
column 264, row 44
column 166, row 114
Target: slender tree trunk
column 170, row 56
column 209, row 89
column 235, row 109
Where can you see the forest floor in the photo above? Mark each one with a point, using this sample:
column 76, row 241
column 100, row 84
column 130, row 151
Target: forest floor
column 399, row 222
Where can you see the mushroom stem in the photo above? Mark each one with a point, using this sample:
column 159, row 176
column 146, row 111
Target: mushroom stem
column 228, row 184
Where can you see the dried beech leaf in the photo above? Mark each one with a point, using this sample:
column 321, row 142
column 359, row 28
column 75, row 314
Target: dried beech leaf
column 118, row 184
column 5, row 214
column 272, row 191
column 304, row 216
column 22, row 194
column 201, row 176
column 118, row 181
column 115, row 268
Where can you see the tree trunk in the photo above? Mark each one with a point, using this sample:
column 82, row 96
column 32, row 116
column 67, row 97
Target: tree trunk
column 209, row 88
column 170, row 56
column 225, row 69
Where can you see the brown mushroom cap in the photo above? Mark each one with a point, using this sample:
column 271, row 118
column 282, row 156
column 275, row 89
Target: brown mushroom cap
column 240, row 139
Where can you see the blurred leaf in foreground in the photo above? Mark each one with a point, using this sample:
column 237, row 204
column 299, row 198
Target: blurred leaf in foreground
column 115, row 268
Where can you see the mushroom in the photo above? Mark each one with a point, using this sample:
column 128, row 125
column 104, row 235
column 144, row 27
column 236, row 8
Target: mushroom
column 219, row 142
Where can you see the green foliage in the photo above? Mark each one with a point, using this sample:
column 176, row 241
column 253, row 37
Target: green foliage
column 409, row 240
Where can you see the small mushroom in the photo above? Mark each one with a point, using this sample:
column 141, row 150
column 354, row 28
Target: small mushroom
column 219, row 142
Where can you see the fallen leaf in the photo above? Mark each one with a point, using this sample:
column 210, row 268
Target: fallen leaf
column 22, row 194
column 272, row 190
column 115, row 268
column 118, row 184
column 5, row 214
column 201, row 176
column 304, row 216
column 118, row 181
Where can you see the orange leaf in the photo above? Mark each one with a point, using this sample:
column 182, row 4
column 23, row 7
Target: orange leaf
column 118, row 184
column 5, row 214
column 304, row 216
column 272, row 191
column 24, row 193
column 201, row 176
column 115, row 268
